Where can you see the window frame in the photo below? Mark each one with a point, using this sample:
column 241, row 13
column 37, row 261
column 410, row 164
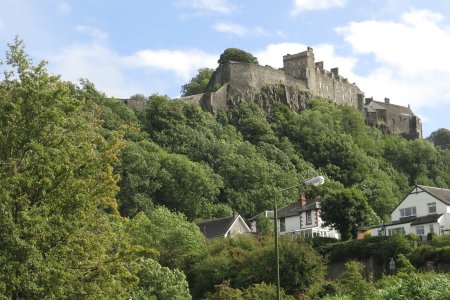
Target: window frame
column 308, row 216
column 422, row 227
column 282, row 224
column 431, row 205
column 411, row 210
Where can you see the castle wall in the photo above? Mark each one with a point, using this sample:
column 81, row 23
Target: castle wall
column 321, row 83
column 337, row 89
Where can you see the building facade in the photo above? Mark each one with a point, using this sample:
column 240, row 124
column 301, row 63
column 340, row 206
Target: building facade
column 424, row 210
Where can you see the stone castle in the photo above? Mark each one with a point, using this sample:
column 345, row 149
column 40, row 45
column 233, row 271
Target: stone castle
column 301, row 79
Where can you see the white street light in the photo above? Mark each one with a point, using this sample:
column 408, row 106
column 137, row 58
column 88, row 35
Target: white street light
column 313, row 181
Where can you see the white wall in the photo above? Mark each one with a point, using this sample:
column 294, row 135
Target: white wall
column 420, row 201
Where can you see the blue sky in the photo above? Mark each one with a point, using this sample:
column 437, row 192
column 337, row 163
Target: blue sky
column 390, row 48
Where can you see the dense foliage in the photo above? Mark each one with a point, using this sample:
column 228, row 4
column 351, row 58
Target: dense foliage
column 98, row 199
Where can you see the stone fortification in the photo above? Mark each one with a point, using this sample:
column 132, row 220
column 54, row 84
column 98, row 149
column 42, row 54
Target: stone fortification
column 393, row 118
column 300, row 79
column 320, row 82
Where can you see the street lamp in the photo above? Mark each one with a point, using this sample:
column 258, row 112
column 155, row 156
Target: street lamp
column 313, row 181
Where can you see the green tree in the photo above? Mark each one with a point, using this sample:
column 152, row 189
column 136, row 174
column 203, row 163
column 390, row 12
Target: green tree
column 353, row 283
column 139, row 169
column 198, row 84
column 346, row 210
column 237, row 55
column 179, row 242
column 58, row 188
column 441, row 138
column 157, row 282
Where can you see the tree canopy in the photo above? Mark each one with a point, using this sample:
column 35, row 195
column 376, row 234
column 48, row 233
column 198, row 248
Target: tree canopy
column 237, row 55
column 198, row 84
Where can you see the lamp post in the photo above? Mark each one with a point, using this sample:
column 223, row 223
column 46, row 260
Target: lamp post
column 313, row 181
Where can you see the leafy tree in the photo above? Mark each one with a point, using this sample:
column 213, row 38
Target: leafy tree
column 353, row 283
column 186, row 186
column 441, row 138
column 198, row 84
column 345, row 210
column 58, row 188
column 179, row 242
column 139, row 170
column 256, row 291
column 264, row 225
column 237, row 55
column 250, row 121
column 157, row 282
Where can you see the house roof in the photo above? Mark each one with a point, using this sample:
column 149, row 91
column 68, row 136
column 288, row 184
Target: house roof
column 293, row 209
column 396, row 222
column 426, row 219
column 398, row 109
column 219, row 227
column 266, row 213
column 438, row 193
column 412, row 219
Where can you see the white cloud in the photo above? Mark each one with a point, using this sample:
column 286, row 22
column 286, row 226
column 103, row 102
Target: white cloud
column 239, row 30
column 182, row 63
column 305, row 5
column 94, row 32
column 207, row 6
column 64, row 8
column 231, row 28
column 122, row 76
column 411, row 57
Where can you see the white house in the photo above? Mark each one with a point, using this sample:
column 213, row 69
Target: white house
column 425, row 209
column 224, row 227
column 303, row 218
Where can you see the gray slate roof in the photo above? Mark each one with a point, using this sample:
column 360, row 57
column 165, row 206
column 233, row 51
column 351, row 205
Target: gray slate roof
column 266, row 213
column 216, row 228
column 294, row 208
column 438, row 193
column 378, row 105
column 426, row 219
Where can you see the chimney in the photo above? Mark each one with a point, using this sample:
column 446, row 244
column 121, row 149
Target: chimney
column 302, row 199
column 319, row 65
column 335, row 72
column 386, row 100
column 368, row 100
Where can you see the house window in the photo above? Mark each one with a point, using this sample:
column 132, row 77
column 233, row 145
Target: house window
column 406, row 212
column 431, row 228
column 399, row 230
column 282, row 224
column 431, row 207
column 308, row 218
column 420, row 230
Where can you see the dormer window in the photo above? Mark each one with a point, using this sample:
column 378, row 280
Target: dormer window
column 407, row 212
column 431, row 207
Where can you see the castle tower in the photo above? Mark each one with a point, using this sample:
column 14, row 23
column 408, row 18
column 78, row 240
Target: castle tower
column 301, row 66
